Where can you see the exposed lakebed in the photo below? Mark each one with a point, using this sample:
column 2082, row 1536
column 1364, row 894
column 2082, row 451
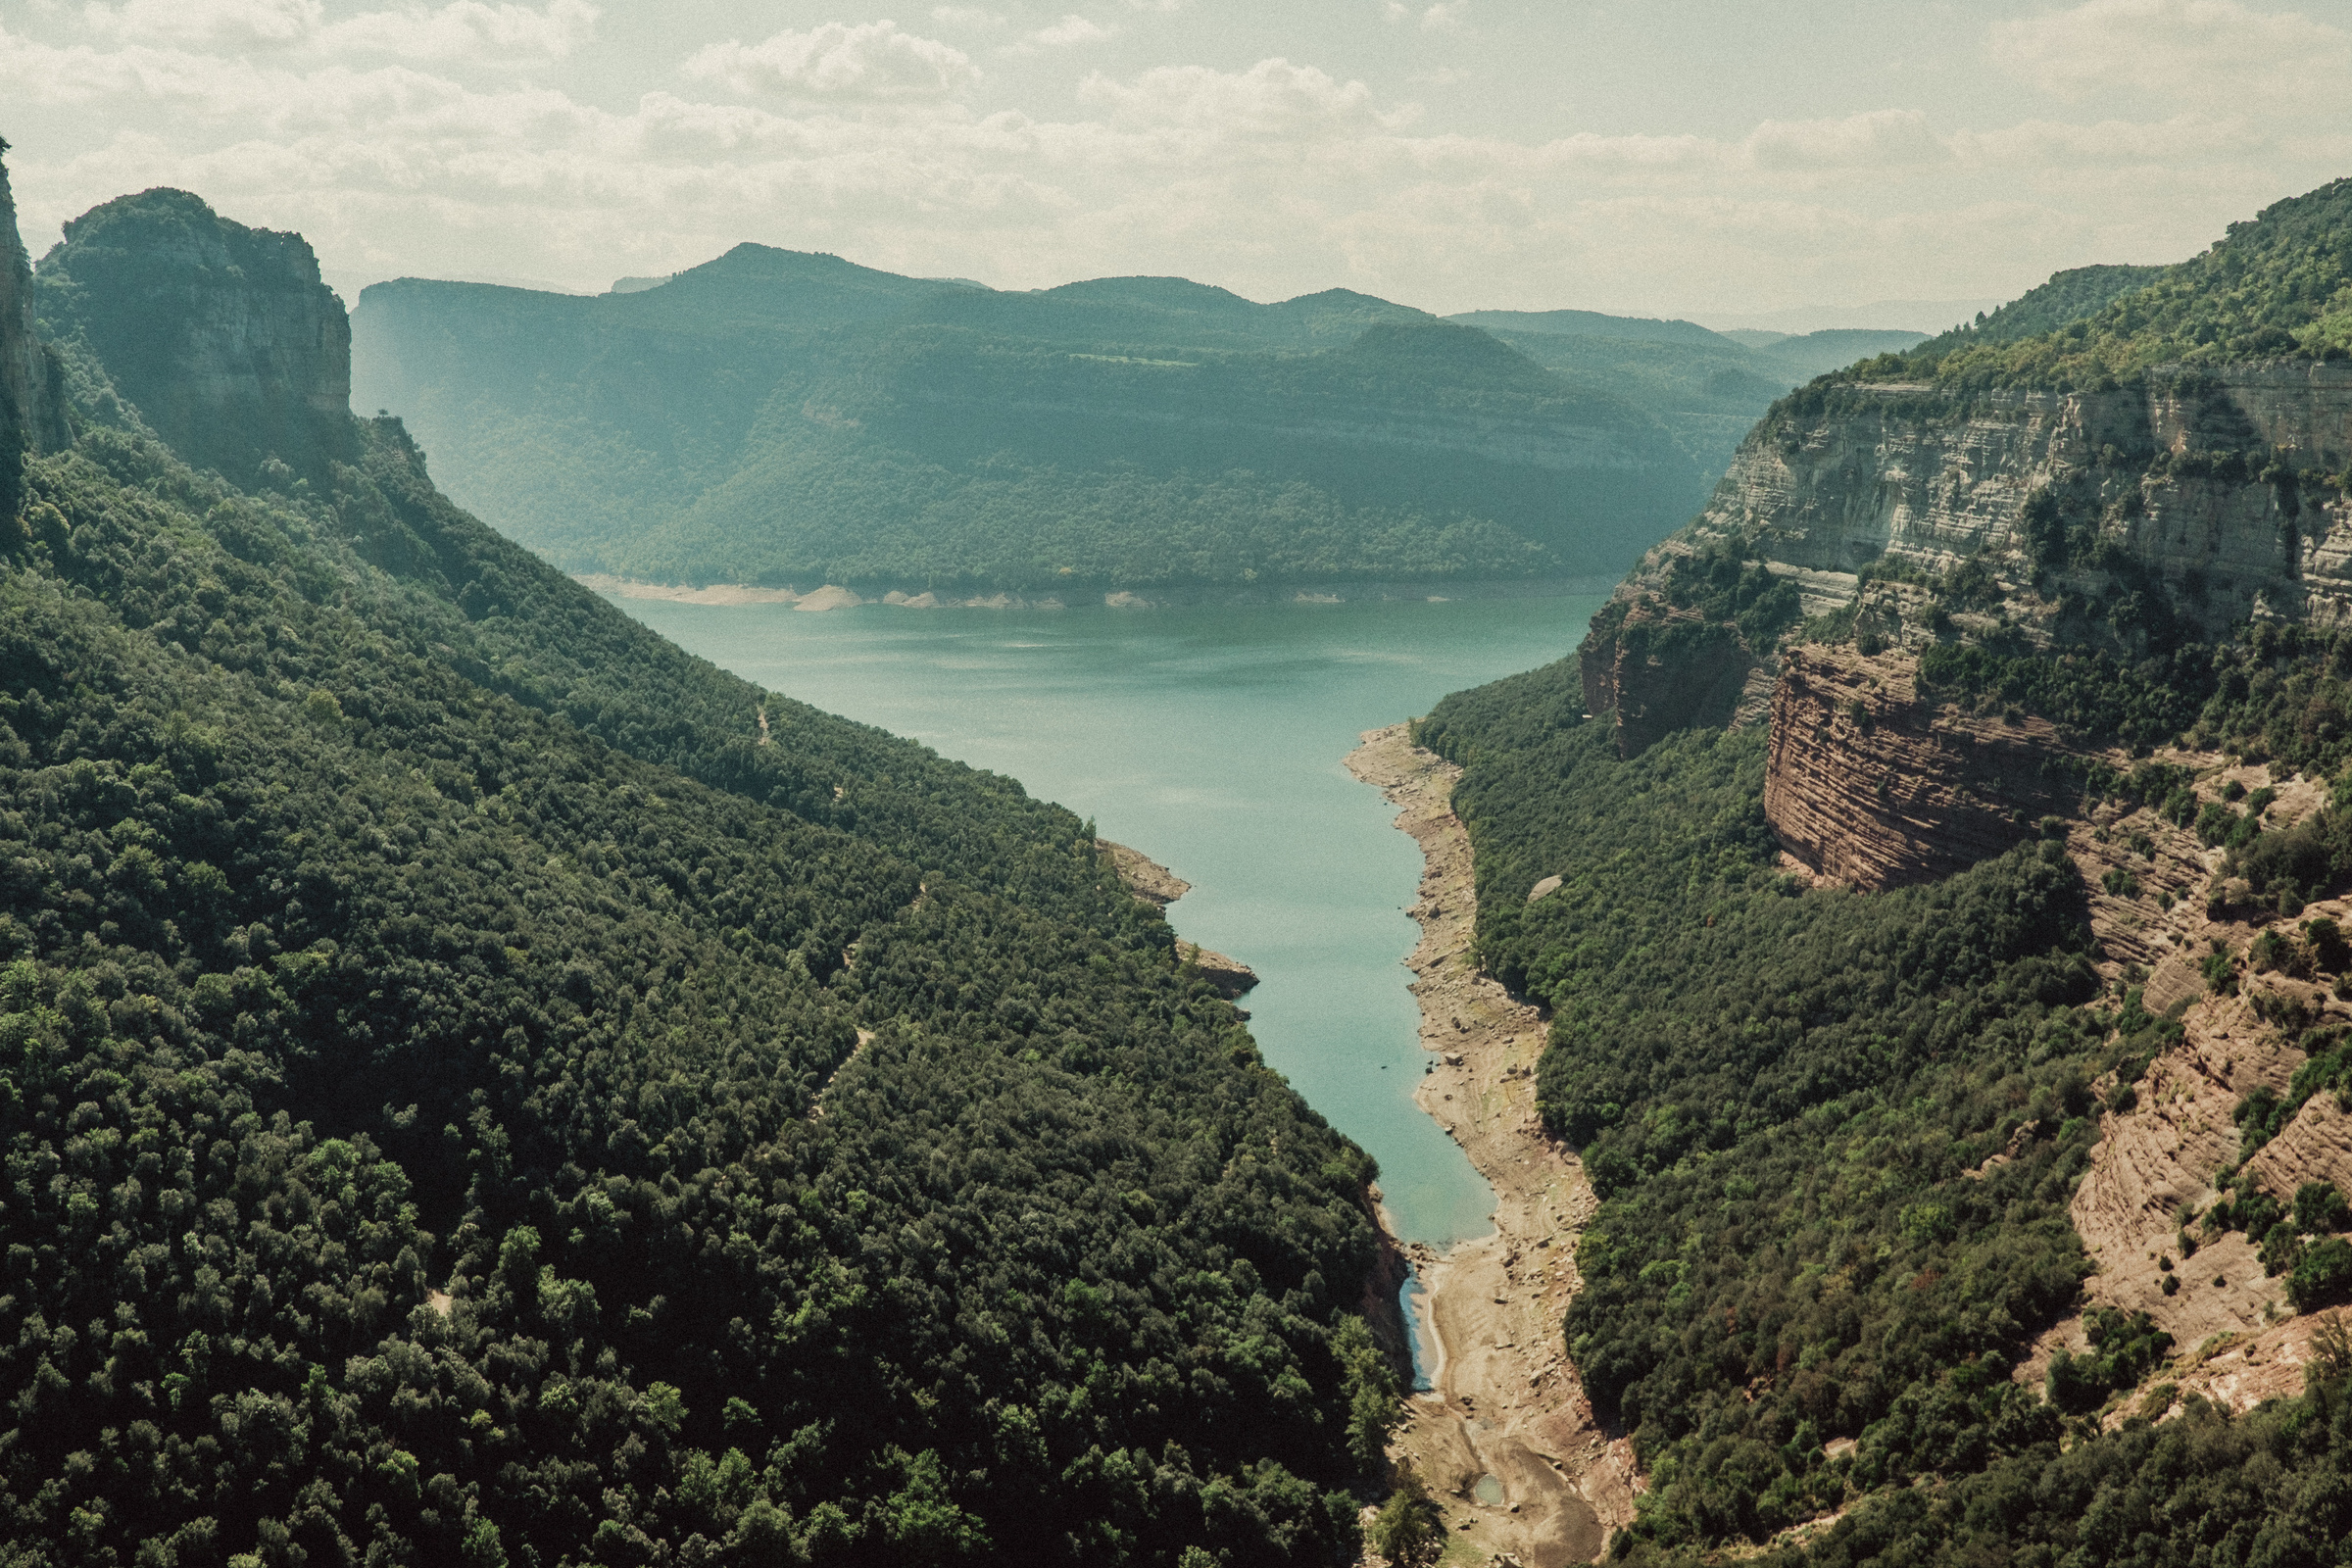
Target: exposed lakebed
column 1210, row 738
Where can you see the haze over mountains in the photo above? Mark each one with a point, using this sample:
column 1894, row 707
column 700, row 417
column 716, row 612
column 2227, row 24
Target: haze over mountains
column 781, row 418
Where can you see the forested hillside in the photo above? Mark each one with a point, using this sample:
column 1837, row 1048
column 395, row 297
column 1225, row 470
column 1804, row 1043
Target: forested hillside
column 1706, row 388
column 2280, row 284
column 786, row 419
column 1841, row 1133
column 472, row 1095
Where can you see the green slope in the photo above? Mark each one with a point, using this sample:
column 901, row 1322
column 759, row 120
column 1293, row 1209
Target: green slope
column 387, row 915
column 2278, row 284
column 786, row 419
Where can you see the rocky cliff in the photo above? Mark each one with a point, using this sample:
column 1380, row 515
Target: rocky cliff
column 31, row 405
column 1896, row 516
column 1869, row 785
column 2200, row 491
column 223, row 337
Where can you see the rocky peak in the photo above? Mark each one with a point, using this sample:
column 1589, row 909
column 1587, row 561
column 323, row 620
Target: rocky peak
column 223, row 337
column 31, row 405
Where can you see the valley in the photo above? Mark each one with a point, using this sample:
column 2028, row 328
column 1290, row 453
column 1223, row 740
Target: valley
column 497, row 1068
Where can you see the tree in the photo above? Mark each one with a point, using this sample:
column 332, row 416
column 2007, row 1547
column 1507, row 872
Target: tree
column 1410, row 1530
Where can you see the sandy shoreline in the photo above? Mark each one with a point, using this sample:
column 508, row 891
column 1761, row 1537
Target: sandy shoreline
column 1505, row 1403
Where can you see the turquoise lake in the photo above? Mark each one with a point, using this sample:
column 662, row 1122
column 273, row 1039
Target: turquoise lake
column 1210, row 738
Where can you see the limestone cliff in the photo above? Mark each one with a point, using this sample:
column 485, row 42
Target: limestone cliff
column 1900, row 517
column 223, row 337
column 2048, row 512
column 31, row 406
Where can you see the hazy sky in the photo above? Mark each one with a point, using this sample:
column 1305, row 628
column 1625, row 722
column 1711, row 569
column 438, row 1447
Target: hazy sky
column 1686, row 157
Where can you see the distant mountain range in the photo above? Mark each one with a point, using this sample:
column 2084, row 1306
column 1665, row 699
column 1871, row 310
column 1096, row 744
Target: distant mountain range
column 789, row 419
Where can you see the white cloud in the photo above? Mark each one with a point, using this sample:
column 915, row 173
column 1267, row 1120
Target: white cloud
column 1880, row 138
column 468, row 30
column 433, row 140
column 1443, row 17
column 460, row 31
column 231, row 23
column 2207, row 51
column 1271, row 98
column 871, row 60
column 1070, row 30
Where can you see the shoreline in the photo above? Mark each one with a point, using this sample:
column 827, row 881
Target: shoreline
column 1504, row 1402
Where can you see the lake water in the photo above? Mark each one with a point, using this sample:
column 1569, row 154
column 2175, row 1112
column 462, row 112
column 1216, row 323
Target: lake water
column 1210, row 739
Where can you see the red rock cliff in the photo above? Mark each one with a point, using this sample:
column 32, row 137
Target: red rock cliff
column 1871, row 786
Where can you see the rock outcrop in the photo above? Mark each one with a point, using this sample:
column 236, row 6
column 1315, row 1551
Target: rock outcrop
column 223, row 337
column 1662, row 669
column 1145, row 878
column 1870, row 784
column 1231, row 976
column 32, row 402
column 2192, row 479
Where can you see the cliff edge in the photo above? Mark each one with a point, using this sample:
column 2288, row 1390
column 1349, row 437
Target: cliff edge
column 233, row 350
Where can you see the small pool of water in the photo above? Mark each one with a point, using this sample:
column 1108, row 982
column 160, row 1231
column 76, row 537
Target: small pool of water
column 1489, row 1490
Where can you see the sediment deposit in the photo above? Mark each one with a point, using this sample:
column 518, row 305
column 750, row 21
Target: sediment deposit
column 1505, row 1403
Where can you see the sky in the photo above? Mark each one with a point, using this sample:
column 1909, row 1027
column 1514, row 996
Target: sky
column 1738, row 163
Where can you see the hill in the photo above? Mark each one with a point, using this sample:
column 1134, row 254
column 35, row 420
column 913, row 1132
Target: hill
column 2278, row 284
column 1933, row 862
column 1706, row 387
column 785, row 419
column 481, row 1086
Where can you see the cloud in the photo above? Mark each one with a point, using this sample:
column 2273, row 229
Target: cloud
column 1443, row 17
column 231, row 23
column 432, row 139
column 1070, row 30
column 1271, row 98
column 461, row 30
column 1881, row 138
column 2206, row 51
column 468, row 30
column 873, row 60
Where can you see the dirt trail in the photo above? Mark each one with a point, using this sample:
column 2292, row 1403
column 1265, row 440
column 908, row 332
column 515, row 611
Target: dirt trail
column 1505, row 1401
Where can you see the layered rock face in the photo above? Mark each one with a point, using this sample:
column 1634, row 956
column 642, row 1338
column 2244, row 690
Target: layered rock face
column 2047, row 519
column 1870, row 786
column 2184, row 474
column 31, row 406
column 223, row 337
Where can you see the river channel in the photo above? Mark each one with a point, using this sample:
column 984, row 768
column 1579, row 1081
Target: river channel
column 1209, row 737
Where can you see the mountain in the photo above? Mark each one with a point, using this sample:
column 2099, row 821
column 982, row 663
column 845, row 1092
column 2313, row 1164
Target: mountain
column 481, row 1086
column 1935, row 862
column 1706, row 387
column 779, row 417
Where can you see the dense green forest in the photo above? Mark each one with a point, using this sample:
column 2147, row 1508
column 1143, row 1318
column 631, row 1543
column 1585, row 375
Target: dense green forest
column 2280, row 284
column 1790, row 1103
column 436, row 1119
column 786, row 419
column 1778, row 1096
